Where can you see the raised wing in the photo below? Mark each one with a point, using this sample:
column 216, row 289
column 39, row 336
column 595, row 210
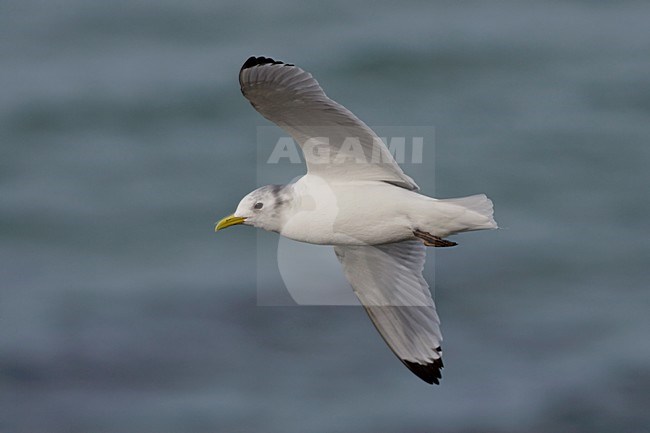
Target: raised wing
column 388, row 281
column 335, row 143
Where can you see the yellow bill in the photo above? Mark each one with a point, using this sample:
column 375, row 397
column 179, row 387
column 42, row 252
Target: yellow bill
column 228, row 221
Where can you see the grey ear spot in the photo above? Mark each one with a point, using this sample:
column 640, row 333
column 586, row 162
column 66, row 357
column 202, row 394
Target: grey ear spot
column 258, row 205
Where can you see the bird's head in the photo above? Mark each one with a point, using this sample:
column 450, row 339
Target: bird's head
column 262, row 208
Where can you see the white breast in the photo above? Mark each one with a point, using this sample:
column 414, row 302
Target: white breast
column 350, row 213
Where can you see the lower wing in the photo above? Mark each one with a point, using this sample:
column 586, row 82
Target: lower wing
column 388, row 281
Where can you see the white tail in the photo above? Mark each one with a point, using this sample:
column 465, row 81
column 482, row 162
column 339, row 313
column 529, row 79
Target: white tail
column 478, row 215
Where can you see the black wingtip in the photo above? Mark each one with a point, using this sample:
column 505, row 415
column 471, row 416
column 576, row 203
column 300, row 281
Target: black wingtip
column 430, row 373
column 256, row 61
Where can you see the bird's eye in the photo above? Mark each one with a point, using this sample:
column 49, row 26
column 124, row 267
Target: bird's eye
column 258, row 205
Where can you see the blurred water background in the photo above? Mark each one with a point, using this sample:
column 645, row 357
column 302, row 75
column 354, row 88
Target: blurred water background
column 123, row 137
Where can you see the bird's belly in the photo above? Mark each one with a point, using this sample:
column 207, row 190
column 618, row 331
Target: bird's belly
column 331, row 233
column 348, row 219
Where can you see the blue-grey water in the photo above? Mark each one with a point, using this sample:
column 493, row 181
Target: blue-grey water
column 123, row 137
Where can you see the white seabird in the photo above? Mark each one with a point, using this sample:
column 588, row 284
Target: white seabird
column 356, row 198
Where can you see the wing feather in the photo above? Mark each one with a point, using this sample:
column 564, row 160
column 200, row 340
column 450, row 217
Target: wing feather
column 388, row 281
column 291, row 98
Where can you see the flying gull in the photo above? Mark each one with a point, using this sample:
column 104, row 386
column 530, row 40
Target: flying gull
column 356, row 198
